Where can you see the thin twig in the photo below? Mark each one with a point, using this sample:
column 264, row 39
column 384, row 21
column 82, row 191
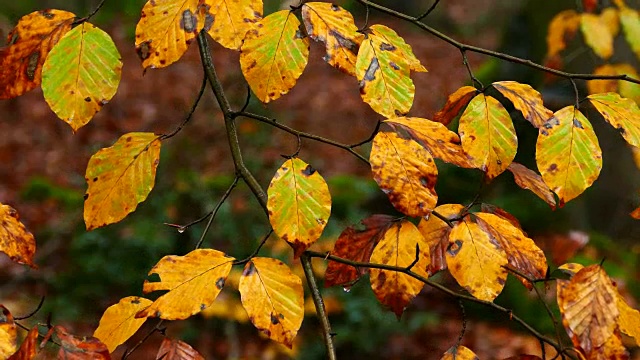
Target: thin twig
column 443, row 218
column 298, row 148
column 477, row 83
column 426, row 13
column 91, row 14
column 136, row 346
column 415, row 259
column 191, row 111
column 256, row 251
column 33, row 312
column 215, row 210
column 370, row 138
column 464, row 323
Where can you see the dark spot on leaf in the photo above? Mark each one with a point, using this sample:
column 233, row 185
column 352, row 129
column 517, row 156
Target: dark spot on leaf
column 335, row 7
column 87, row 99
column 144, row 50
column 299, row 34
column 344, row 42
column 387, row 47
column 454, row 247
column 220, row 283
column 128, row 139
column 552, row 168
column 499, row 162
column 47, row 14
column 202, row 307
column 158, row 313
column 308, row 171
column 502, row 281
column 95, row 179
column 135, row 301
column 370, row 74
column 135, row 156
column 274, row 319
column 252, row 65
column 424, row 181
column 382, row 278
column 577, row 123
column 249, row 269
column 86, row 196
column 163, row 61
column 32, row 65
column 285, row 237
column 188, row 22
column 394, row 65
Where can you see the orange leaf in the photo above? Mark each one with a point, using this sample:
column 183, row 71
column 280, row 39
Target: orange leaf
column 232, row 20
column 629, row 320
column 15, row 240
column 273, row 297
column 29, row 43
column 441, row 142
column 492, row 209
column 356, row 244
column 194, row 281
column 530, row 180
column 564, row 25
column 459, row 352
column 527, row 100
column 398, row 248
column 75, row 348
column 174, row 349
column 436, row 234
column 29, row 346
column 455, row 102
column 588, row 305
column 118, row 323
column 406, row 172
column 8, row 334
column 613, row 349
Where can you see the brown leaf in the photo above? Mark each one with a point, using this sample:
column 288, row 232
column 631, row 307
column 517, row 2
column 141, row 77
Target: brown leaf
column 492, row 209
column 15, row 240
column 455, row 103
column 527, row 100
column 356, row 244
column 29, row 346
column 436, row 234
column 530, row 180
column 562, row 247
column 174, row 349
column 74, row 348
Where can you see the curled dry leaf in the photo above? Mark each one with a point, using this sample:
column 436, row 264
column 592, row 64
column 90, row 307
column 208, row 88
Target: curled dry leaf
column 436, row 234
column 15, row 240
column 526, row 99
column 492, row 209
column 174, row 349
column 118, row 323
column 28, row 348
column 356, row 244
column 8, row 334
column 530, row 180
column 455, row 103
column 76, row 348
column 459, row 352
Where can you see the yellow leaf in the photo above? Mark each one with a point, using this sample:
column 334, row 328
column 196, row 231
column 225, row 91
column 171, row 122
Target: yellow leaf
column 8, row 334
column 333, row 26
column 459, row 352
column 436, row 234
column 588, row 305
column 564, row 25
column 299, row 204
column 611, row 19
column 15, row 240
column 530, row 180
column 174, row 349
column 441, row 142
column 613, row 349
column 194, row 281
column 232, row 20
column 273, row 55
column 629, row 320
column 455, row 102
column 597, row 35
column 488, row 135
column 527, row 100
column 476, row 260
column 120, row 177
column 383, row 66
column 406, row 172
column 166, row 28
column 623, row 114
column 227, row 307
column 523, row 254
column 274, row 298
column 567, row 153
column 398, row 248
column 118, row 323
column 29, row 43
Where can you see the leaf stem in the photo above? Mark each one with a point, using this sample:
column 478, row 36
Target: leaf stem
column 215, row 210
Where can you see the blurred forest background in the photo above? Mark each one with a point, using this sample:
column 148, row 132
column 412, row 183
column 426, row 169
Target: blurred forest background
column 81, row 273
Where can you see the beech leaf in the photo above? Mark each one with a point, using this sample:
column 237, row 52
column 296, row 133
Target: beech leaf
column 28, row 348
column 79, row 348
column 527, row 100
column 597, row 35
column 459, row 352
column 629, row 320
column 15, row 240
column 232, row 20
column 455, row 103
column 436, row 234
column 8, row 334
column 118, row 323
column 563, row 26
column 174, row 349
column 530, row 180
column 623, row 114
column 630, row 21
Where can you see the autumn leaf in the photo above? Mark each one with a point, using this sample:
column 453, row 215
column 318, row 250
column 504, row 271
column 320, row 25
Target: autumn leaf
column 623, row 114
column 8, row 334
column 563, row 26
column 629, row 319
column 232, row 20
column 28, row 348
column 492, row 209
column 273, row 297
column 406, row 172
column 597, row 35
column 436, row 235
column 120, row 177
column 611, row 19
column 527, row 100
column 588, row 305
column 357, row 245
column 15, row 240
column 441, row 142
column 476, row 260
column 398, row 248
column 523, row 254
column 459, row 352
column 299, row 204
column 29, row 43
column 174, row 349
column 193, row 281
column 530, row 180
column 76, row 348
column 333, row 26
column 455, row 102
column 383, row 66
column 567, row 153
column 273, row 55
column 487, row 135
column 81, row 74
column 118, row 323
column 166, row 28
column 624, row 88
column 613, row 349
column 227, row 307
column 630, row 21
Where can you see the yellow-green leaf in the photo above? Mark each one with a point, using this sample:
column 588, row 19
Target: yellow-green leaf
column 406, row 172
column 232, row 20
column 630, row 21
column 624, row 88
column 383, row 66
column 455, row 102
column 81, row 74
column 527, row 100
column 273, row 55
column 28, row 45
column 567, row 153
column 299, row 204
column 476, row 260
column 8, row 334
column 459, row 352
column 398, row 248
column 530, row 180
column 488, row 135
column 166, row 28
column 273, row 297
column 333, row 26
column 436, row 234
column 441, row 142
column 118, row 323
column 193, row 281
column 15, row 240
column 623, row 114
column 120, row 177
column 597, row 35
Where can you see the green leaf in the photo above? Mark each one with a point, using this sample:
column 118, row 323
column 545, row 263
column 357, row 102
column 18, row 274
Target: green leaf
column 623, row 114
column 630, row 21
column 81, row 74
